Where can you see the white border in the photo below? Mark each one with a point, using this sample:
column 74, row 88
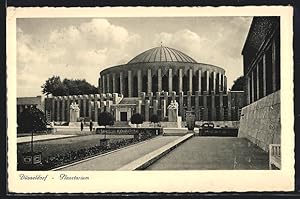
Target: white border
column 159, row 181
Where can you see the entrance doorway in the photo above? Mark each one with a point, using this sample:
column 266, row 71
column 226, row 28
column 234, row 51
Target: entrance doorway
column 123, row 116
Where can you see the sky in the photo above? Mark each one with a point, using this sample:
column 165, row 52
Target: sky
column 80, row 48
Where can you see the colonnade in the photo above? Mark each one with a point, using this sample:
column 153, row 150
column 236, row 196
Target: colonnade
column 132, row 82
column 264, row 76
column 90, row 105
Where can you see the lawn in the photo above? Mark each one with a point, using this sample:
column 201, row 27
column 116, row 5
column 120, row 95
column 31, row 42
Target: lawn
column 73, row 148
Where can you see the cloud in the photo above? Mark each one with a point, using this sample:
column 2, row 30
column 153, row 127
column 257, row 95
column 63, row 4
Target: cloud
column 222, row 48
column 79, row 51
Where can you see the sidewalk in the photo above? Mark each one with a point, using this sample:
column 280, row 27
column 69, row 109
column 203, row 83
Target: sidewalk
column 116, row 160
column 41, row 137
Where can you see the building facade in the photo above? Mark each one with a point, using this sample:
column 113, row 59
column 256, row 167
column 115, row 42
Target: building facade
column 25, row 102
column 260, row 121
column 148, row 83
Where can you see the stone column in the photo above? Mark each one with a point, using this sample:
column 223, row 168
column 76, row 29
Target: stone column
column 129, row 84
column 181, row 108
column 264, row 76
column 252, row 87
column 143, row 96
column 108, row 105
column 96, row 107
column 225, row 84
column 197, row 105
column 114, row 98
column 166, row 96
column 189, row 100
column 191, row 80
column 84, row 105
column 221, row 107
column 199, row 81
column 63, row 108
column 100, row 89
column 257, row 81
column 108, row 83
column 139, row 81
column 205, row 109
column 248, row 89
column 58, row 109
column 151, row 97
column 214, row 82
column 147, row 107
column 69, row 98
column 180, row 80
column 113, row 82
column 102, row 106
column 220, row 82
column 229, row 106
column 103, row 84
column 121, row 83
column 155, row 107
column 170, row 78
column 53, row 109
column 139, row 106
column 149, row 77
column 207, row 81
column 158, row 97
column 163, row 109
column 173, row 95
column 91, row 107
column 159, row 80
column 91, row 97
column 213, row 106
column 273, row 46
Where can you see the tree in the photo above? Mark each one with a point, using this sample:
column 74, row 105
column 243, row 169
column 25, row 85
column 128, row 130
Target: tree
column 137, row 119
column 238, row 84
column 31, row 120
column 56, row 87
column 105, row 118
column 154, row 119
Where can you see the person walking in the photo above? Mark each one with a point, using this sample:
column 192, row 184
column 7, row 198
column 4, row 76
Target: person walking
column 81, row 125
column 91, row 125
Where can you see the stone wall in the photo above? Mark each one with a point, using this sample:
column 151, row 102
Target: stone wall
column 260, row 121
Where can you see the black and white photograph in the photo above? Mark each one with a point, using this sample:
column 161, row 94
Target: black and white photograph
column 151, row 93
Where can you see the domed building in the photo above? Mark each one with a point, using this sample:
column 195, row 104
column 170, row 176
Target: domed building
column 148, row 84
column 162, row 69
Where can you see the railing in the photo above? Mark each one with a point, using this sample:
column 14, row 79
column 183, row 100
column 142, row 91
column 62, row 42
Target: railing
column 274, row 156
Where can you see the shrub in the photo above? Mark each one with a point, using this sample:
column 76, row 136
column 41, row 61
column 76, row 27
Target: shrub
column 137, row 119
column 105, row 118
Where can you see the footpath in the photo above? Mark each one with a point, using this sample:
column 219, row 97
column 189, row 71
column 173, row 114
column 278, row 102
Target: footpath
column 128, row 158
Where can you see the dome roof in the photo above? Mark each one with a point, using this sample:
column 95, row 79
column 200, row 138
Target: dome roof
column 162, row 54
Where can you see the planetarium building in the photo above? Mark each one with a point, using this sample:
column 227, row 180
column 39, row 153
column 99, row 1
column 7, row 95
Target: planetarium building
column 148, row 84
column 162, row 69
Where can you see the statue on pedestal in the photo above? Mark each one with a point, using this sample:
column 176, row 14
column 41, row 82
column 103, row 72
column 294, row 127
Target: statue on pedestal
column 74, row 112
column 173, row 111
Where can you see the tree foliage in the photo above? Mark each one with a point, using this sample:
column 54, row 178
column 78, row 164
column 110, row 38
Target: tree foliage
column 238, row 84
column 154, row 119
column 57, row 87
column 105, row 118
column 31, row 120
column 137, row 119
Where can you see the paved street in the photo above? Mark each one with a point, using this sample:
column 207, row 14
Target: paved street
column 204, row 153
column 120, row 158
